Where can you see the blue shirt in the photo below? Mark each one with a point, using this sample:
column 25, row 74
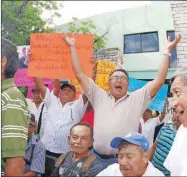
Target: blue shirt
column 165, row 140
column 35, row 156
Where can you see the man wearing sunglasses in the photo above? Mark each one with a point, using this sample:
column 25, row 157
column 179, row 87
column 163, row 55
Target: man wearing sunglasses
column 117, row 113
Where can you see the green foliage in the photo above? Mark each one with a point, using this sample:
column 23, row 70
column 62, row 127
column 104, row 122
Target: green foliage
column 87, row 27
column 21, row 18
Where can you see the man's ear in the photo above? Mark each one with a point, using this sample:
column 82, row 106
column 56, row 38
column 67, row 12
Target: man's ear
column 69, row 139
column 91, row 142
column 146, row 157
column 3, row 62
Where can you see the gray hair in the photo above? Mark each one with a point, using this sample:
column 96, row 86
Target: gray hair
column 180, row 72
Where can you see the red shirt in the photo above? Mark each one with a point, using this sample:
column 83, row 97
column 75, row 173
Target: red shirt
column 88, row 118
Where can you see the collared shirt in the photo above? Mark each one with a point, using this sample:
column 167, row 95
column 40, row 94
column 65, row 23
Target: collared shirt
column 165, row 140
column 148, row 128
column 35, row 156
column 33, row 109
column 176, row 161
column 37, row 111
column 59, row 121
column 113, row 119
column 114, row 170
column 14, row 121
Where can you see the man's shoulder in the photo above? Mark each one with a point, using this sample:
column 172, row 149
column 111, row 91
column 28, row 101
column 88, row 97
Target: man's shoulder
column 152, row 171
column 38, row 142
column 111, row 170
column 13, row 93
column 167, row 127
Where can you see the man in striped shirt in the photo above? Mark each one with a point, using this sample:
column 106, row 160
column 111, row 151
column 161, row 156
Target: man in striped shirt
column 15, row 114
column 163, row 143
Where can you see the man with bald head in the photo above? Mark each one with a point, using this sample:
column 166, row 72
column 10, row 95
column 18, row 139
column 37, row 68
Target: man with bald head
column 176, row 160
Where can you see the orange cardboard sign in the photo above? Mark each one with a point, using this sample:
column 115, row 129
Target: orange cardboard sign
column 51, row 56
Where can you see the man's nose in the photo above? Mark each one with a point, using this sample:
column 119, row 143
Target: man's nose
column 78, row 141
column 124, row 161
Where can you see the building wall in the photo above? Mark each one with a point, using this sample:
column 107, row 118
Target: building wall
column 179, row 11
column 148, row 18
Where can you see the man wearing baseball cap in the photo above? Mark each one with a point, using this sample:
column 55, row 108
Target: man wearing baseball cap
column 133, row 157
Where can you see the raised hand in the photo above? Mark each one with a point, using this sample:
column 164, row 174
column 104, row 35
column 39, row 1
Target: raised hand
column 69, row 41
column 172, row 44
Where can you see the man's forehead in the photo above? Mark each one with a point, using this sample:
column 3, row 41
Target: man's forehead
column 119, row 73
column 81, row 131
column 176, row 83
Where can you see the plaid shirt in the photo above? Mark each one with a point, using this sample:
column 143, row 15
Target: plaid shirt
column 35, row 156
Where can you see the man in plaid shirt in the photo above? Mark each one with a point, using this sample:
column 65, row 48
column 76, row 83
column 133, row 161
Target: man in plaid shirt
column 35, row 152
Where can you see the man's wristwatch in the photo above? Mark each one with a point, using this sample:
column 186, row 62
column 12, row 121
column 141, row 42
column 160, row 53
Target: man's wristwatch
column 167, row 53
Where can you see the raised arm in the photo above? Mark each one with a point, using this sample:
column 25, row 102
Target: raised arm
column 56, row 87
column 77, row 68
column 40, row 83
column 160, row 78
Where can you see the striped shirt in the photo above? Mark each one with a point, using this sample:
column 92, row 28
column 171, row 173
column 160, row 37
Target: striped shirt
column 165, row 140
column 35, row 156
column 59, row 120
column 15, row 119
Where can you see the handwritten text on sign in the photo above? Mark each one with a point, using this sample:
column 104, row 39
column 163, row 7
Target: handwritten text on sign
column 21, row 78
column 104, row 68
column 158, row 101
column 51, row 56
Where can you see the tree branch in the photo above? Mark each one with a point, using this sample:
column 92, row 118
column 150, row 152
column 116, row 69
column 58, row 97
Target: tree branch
column 22, row 7
column 105, row 32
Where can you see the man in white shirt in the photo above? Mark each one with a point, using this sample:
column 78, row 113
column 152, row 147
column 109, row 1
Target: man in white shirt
column 133, row 157
column 148, row 124
column 117, row 113
column 37, row 107
column 176, row 160
column 62, row 114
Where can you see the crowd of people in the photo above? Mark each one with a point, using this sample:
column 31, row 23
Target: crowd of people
column 100, row 133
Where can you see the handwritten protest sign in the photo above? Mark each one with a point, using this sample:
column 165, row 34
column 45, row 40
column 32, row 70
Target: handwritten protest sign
column 51, row 56
column 158, row 101
column 104, row 68
column 21, row 78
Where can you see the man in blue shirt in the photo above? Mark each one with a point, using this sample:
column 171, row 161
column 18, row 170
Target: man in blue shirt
column 163, row 143
column 35, row 152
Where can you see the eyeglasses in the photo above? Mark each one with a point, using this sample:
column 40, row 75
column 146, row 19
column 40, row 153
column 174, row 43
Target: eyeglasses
column 121, row 78
column 174, row 111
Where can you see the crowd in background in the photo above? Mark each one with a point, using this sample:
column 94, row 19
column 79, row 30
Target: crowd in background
column 98, row 134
